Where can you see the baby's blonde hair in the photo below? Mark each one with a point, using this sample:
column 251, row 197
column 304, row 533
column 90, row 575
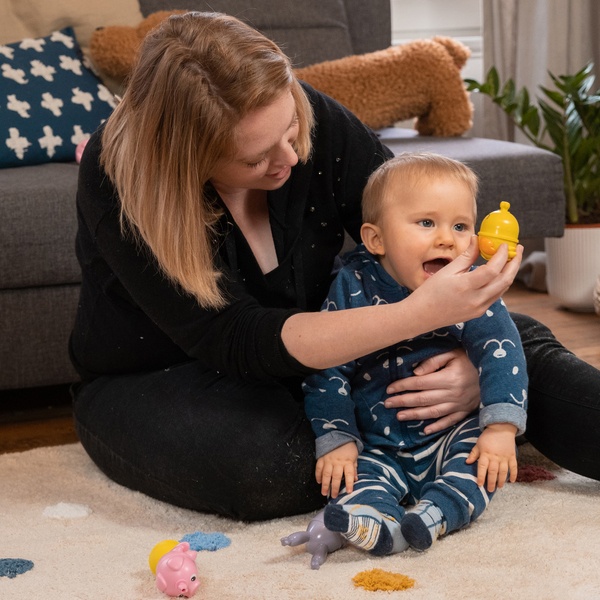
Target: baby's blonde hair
column 197, row 76
column 406, row 170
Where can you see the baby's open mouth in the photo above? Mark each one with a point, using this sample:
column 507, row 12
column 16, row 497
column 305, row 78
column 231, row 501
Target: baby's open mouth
column 433, row 266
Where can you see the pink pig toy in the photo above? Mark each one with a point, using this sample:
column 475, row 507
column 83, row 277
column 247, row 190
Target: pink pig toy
column 176, row 572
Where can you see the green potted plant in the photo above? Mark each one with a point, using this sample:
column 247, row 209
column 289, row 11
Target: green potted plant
column 565, row 121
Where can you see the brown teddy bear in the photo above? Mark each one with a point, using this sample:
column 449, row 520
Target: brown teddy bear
column 419, row 79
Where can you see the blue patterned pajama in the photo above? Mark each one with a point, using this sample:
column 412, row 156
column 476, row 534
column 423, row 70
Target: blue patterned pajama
column 398, row 463
column 436, row 472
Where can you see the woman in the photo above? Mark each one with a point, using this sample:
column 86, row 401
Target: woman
column 211, row 209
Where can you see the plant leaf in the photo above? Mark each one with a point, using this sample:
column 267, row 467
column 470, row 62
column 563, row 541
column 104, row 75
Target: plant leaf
column 565, row 121
column 493, row 81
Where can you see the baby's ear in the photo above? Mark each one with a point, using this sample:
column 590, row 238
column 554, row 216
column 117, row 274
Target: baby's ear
column 372, row 238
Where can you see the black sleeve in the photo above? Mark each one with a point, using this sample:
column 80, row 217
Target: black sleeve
column 355, row 151
column 133, row 317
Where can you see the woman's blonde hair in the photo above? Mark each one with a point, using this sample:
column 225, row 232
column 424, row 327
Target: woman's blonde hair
column 406, row 170
column 197, row 75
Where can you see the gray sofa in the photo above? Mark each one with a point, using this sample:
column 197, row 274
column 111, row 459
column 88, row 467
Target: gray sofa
column 39, row 275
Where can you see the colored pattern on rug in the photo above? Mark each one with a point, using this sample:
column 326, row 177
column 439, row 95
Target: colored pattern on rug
column 11, row 567
column 206, row 541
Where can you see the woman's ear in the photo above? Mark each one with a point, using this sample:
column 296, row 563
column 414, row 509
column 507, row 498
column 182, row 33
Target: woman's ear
column 372, row 238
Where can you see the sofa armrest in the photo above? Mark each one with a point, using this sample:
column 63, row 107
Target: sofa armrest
column 530, row 178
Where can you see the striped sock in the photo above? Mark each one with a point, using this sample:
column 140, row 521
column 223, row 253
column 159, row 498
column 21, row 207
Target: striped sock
column 423, row 525
column 365, row 527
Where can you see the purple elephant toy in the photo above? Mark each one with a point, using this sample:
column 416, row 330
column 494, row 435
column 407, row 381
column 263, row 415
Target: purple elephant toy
column 318, row 539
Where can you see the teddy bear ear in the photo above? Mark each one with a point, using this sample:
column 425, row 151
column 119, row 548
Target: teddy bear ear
column 113, row 50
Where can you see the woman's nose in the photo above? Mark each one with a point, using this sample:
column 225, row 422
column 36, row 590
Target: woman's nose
column 286, row 155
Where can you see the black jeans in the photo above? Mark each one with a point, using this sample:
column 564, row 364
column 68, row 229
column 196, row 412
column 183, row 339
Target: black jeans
column 563, row 418
column 245, row 450
column 202, row 441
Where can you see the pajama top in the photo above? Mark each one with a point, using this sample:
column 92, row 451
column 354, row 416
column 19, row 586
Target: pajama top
column 347, row 402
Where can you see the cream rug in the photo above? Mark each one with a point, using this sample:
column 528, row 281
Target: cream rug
column 89, row 538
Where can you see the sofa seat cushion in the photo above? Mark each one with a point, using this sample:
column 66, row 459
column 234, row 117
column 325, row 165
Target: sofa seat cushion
column 308, row 31
column 38, row 222
column 36, row 324
column 529, row 178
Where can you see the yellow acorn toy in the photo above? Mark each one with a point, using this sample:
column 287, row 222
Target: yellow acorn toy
column 497, row 228
column 159, row 551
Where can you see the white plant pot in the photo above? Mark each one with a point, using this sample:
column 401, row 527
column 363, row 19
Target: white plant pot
column 573, row 266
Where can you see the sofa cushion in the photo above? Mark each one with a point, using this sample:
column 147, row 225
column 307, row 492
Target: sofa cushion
column 308, row 31
column 38, row 222
column 49, row 100
column 369, row 24
column 35, row 325
column 34, row 18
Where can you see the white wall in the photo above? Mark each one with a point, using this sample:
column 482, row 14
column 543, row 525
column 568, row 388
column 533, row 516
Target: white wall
column 459, row 19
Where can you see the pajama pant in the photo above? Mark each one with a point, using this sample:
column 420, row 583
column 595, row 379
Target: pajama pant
column 436, row 472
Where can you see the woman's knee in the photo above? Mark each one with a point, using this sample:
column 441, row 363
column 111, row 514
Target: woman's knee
column 248, row 449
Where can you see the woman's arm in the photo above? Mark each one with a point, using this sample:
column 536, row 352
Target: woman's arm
column 455, row 294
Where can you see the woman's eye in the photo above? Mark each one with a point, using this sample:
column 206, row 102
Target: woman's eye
column 254, row 165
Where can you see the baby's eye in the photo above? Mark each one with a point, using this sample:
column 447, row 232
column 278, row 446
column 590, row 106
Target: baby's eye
column 461, row 227
column 425, row 223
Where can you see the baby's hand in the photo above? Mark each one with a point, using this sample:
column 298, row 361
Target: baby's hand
column 496, row 455
column 334, row 465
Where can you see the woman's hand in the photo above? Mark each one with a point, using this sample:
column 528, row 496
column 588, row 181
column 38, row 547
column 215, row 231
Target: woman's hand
column 444, row 387
column 456, row 294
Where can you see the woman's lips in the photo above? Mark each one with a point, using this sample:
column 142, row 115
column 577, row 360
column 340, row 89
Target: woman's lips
column 282, row 174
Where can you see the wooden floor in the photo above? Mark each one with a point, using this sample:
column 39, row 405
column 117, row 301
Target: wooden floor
column 35, row 418
column 579, row 332
column 47, row 421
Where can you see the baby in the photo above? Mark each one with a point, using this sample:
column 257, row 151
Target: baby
column 405, row 487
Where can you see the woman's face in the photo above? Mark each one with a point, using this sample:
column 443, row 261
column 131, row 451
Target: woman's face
column 264, row 154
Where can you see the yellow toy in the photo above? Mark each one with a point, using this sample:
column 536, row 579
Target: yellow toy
column 159, row 551
column 499, row 227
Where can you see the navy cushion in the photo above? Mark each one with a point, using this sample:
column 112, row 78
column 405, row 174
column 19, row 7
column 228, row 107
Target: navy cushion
column 49, row 100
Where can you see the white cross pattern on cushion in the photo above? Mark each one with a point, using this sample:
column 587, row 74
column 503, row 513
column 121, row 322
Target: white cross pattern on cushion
column 50, row 100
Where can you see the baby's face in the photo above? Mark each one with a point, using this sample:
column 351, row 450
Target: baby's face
column 425, row 227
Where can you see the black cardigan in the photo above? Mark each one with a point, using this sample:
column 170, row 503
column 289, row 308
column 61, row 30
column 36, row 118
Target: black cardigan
column 130, row 318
